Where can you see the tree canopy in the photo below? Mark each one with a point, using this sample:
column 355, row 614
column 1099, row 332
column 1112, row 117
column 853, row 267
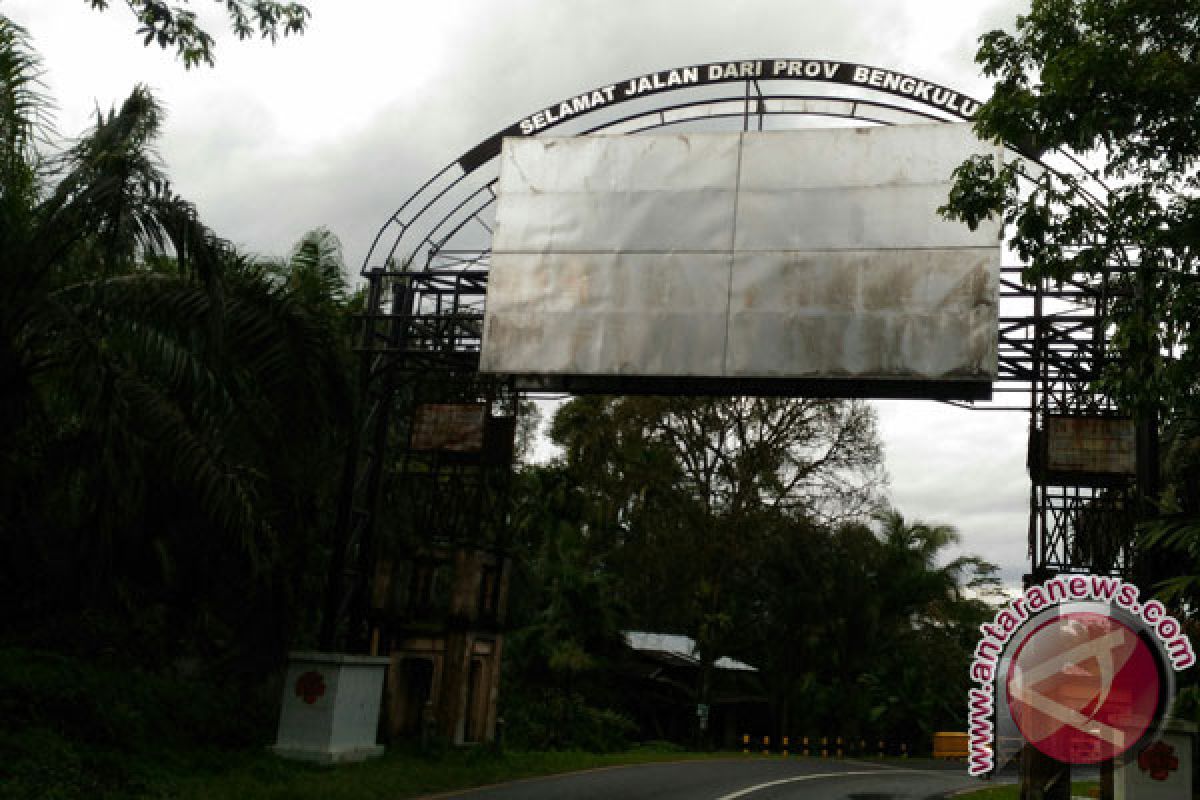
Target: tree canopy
column 152, row 381
column 1113, row 83
column 754, row 526
column 1099, row 96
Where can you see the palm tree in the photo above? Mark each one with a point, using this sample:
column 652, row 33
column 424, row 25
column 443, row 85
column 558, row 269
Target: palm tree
column 910, row 553
column 162, row 395
column 929, row 613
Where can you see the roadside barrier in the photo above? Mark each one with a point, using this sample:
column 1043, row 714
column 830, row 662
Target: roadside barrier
column 950, row 746
column 842, row 747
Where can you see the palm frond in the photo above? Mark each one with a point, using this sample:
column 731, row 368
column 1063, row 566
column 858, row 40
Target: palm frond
column 319, row 252
column 291, row 351
column 114, row 195
column 24, row 108
column 224, row 494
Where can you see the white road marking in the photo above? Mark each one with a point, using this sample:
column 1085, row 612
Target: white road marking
column 798, row 778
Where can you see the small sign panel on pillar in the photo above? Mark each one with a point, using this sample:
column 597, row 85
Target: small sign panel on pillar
column 1090, row 450
column 450, row 427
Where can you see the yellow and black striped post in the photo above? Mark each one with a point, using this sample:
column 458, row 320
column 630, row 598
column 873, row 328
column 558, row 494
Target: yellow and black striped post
column 745, row 743
column 785, row 747
column 805, row 743
column 766, row 745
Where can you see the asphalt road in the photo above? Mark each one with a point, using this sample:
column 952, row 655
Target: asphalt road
column 735, row 779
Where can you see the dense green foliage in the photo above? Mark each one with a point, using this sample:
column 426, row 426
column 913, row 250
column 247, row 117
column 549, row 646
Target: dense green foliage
column 174, row 414
column 745, row 525
column 1112, row 83
column 82, row 728
column 176, row 418
column 152, row 382
column 96, row 728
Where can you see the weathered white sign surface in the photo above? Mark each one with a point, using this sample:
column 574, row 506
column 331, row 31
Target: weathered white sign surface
column 740, row 259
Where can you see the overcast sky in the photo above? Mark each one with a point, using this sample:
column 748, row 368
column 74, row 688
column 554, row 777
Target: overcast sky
column 337, row 127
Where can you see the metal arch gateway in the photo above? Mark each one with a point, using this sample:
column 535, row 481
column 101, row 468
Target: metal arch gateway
column 931, row 94
column 451, row 193
column 427, row 272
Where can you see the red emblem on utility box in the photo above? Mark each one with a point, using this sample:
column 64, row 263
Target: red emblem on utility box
column 1159, row 760
column 310, row 686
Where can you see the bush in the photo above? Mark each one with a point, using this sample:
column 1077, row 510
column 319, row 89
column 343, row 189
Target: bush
column 74, row 729
column 561, row 720
column 120, row 706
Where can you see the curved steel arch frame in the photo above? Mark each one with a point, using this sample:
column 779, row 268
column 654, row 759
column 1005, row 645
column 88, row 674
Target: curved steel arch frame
column 871, row 89
column 427, row 271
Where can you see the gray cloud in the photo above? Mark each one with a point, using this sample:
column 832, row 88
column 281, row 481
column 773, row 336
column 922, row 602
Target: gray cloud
column 965, row 468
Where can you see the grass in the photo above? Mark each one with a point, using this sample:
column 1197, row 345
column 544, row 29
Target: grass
column 400, row 775
column 74, row 771
column 75, row 728
column 259, row 775
column 1012, row 791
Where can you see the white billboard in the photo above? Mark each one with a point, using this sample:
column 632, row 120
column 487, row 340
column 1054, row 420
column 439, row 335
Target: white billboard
column 742, row 262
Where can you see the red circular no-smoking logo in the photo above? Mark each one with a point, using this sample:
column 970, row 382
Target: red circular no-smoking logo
column 1083, row 687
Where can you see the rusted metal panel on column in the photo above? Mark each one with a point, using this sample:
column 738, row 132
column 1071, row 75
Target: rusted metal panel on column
column 1088, row 445
column 450, row 427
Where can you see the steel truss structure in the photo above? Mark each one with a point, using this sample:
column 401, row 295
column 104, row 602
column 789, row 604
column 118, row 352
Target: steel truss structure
column 427, row 273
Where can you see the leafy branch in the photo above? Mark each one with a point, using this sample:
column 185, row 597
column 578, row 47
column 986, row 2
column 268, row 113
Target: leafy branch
column 176, row 25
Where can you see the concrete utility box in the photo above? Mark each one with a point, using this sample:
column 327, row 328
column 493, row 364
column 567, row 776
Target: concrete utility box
column 1161, row 771
column 330, row 707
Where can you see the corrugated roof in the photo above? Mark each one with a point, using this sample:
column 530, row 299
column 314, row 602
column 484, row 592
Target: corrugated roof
column 680, row 647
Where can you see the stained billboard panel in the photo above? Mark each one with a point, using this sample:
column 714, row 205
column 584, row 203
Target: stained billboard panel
column 775, row 262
